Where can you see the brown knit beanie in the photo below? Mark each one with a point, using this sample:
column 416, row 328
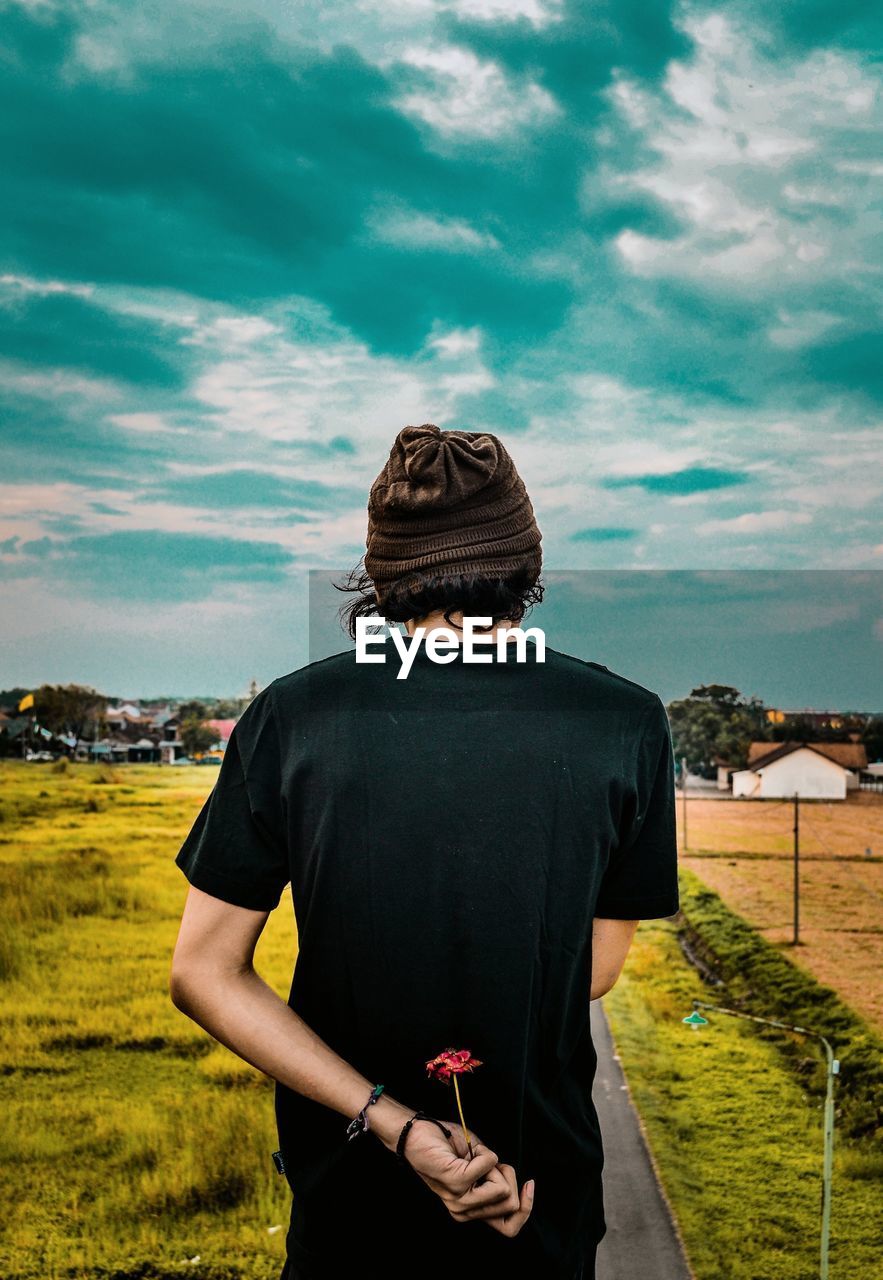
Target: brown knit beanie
column 449, row 501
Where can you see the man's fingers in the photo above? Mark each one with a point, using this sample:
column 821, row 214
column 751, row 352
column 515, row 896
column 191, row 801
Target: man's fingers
column 511, row 1225
column 493, row 1195
column 493, row 1190
column 472, row 1171
column 444, row 1166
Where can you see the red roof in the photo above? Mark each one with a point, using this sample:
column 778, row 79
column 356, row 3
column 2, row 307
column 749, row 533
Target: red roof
column 223, row 728
column 849, row 755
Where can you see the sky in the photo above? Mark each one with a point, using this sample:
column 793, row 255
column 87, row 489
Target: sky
column 244, row 243
column 797, row 639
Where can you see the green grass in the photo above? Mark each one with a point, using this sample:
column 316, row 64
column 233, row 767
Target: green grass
column 733, row 1112
column 131, row 1141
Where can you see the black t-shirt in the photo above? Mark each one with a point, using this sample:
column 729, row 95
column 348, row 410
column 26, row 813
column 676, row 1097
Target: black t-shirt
column 449, row 838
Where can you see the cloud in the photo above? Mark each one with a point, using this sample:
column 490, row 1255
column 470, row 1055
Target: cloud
column 245, row 243
column 453, row 234
column 602, row 533
column 64, row 330
column 691, row 480
column 755, row 522
column 471, row 97
column 263, row 183
column 244, row 487
column 538, row 14
column 150, row 564
column 745, row 148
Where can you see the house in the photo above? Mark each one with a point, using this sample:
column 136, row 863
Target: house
column 171, row 748
column 111, row 750
column 818, row 770
column 122, row 717
column 223, row 729
column 851, row 755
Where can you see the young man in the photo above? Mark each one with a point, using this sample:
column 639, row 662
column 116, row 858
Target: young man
column 470, row 850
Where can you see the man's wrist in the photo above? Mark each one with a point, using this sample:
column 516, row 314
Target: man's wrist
column 387, row 1118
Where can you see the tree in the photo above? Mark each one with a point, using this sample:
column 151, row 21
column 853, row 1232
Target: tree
column 70, row 709
column 227, row 709
column 716, row 721
column 196, row 735
column 872, row 737
column 192, row 710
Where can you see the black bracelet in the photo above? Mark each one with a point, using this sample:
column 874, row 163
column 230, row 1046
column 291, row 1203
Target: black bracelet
column 403, row 1136
column 360, row 1123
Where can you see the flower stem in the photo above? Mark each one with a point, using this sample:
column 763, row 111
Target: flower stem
column 462, row 1120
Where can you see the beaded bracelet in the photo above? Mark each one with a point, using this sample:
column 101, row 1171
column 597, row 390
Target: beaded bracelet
column 360, row 1123
column 403, row 1136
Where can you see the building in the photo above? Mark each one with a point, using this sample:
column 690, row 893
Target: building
column 223, row 729
column 816, row 770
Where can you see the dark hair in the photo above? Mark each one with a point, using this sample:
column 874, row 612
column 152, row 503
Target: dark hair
column 415, row 595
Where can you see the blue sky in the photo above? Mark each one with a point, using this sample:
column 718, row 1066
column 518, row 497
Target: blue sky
column 245, row 243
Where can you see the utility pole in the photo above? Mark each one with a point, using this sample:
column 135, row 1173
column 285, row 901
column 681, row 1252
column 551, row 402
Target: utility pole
column 684, row 798
column 796, row 868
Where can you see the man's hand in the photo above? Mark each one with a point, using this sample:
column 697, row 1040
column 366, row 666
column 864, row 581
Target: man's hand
column 507, row 1210
column 476, row 1189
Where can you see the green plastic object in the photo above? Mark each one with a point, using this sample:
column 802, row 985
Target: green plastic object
column 696, row 1019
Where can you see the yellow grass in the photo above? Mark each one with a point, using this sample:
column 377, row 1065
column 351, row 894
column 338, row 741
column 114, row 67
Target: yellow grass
column 129, row 1137
column 828, row 828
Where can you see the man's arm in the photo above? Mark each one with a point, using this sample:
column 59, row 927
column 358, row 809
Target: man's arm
column 213, row 981
column 611, row 940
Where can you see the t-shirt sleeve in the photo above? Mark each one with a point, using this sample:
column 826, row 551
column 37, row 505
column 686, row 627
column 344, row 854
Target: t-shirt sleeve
column 641, row 878
column 236, row 849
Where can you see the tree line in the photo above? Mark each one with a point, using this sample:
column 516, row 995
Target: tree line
column 80, row 712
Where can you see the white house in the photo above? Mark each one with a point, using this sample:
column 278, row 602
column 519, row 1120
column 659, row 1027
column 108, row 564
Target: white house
column 818, row 770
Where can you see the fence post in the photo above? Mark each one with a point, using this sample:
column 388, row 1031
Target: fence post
column 796, row 868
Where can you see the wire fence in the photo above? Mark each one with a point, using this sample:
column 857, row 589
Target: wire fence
column 835, row 829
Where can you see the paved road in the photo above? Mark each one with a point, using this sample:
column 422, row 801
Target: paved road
column 641, row 1241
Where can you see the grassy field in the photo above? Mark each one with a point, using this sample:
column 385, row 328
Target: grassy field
column 736, row 1136
column 134, row 1146
column 841, row 898
column 132, row 1143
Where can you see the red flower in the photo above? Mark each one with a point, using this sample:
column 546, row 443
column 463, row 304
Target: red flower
column 446, row 1067
column 451, row 1062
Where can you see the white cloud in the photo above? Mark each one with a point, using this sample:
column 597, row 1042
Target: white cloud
column 800, row 328
column 43, row 288
column 468, row 97
column 537, row 14
column 420, row 230
column 51, row 384
column 730, row 133
column 456, row 342
column 755, row 522
column 149, row 424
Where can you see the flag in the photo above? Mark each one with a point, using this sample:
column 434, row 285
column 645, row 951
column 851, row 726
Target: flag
column 27, row 701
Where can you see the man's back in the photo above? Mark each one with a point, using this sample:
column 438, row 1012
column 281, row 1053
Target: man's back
column 449, row 838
